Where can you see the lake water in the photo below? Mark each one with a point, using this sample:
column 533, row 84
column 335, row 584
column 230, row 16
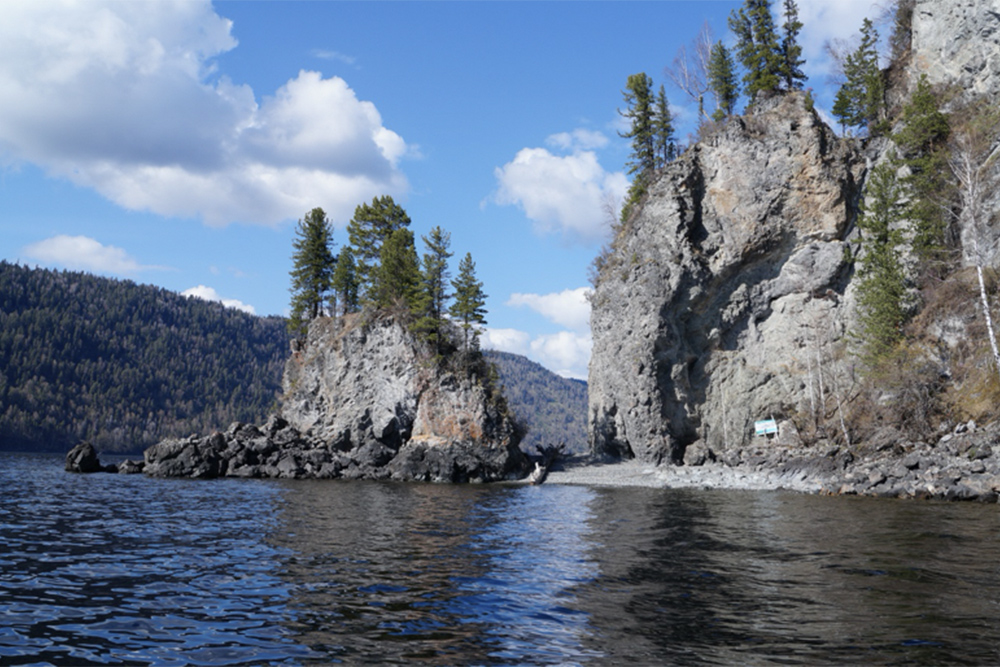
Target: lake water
column 109, row 569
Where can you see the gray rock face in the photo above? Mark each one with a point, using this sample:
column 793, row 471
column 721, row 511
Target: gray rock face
column 957, row 42
column 725, row 289
column 363, row 400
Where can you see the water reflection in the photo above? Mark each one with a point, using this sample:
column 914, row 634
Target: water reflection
column 389, row 573
column 694, row 577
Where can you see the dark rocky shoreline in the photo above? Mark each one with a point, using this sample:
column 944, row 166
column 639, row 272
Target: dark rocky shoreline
column 961, row 465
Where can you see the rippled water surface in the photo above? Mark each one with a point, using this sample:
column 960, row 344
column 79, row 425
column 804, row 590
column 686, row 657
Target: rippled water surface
column 109, row 569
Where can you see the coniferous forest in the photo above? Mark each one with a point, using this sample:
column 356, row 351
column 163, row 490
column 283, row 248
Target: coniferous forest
column 125, row 365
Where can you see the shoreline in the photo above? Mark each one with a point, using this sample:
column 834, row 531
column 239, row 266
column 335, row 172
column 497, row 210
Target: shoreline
column 635, row 473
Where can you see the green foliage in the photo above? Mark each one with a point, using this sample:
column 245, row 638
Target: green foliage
column 397, row 277
column 638, row 96
column 722, row 81
column 312, row 269
column 923, row 139
column 553, row 408
column 791, row 50
column 468, row 308
column 368, row 230
column 860, row 101
column 344, row 281
column 126, row 365
column 665, row 145
column 435, row 278
column 882, row 286
column 757, row 46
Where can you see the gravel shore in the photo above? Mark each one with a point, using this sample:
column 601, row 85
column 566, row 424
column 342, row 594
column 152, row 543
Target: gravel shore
column 710, row 476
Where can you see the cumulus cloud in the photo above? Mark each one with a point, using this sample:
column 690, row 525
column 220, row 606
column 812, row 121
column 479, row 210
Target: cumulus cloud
column 564, row 352
column 506, row 340
column 81, row 253
column 125, row 98
column 567, row 353
column 209, row 294
column 569, row 308
column 567, row 194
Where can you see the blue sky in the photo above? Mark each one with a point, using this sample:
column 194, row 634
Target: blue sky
column 177, row 143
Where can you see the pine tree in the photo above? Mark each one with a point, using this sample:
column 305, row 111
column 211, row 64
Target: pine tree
column 435, row 277
column 722, row 81
column 791, row 50
column 638, row 95
column 882, row 285
column 312, row 268
column 344, row 281
column 368, row 229
column 757, row 46
column 468, row 308
column 861, row 99
column 923, row 140
column 665, row 145
column 397, row 277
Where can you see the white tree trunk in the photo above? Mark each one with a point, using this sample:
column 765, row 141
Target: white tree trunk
column 988, row 317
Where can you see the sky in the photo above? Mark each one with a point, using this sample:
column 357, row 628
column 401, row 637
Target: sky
column 177, row 143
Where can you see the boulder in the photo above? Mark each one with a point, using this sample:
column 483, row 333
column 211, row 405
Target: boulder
column 83, row 459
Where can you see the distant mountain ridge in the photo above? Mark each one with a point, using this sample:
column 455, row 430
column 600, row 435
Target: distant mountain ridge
column 553, row 408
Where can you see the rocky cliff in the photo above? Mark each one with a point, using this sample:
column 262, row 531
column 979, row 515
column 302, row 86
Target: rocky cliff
column 728, row 296
column 363, row 398
column 730, row 276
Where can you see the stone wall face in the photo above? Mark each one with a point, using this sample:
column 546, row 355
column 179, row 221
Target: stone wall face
column 730, row 275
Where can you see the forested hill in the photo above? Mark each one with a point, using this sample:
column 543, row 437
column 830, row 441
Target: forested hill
column 125, row 365
column 553, row 407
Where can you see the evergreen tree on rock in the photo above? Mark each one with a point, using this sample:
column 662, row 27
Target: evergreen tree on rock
column 367, row 231
column 344, row 281
column 665, row 145
column 638, row 96
column 435, row 277
column 757, row 46
column 860, row 101
column 791, row 50
column 468, row 308
column 312, row 269
column 397, row 277
column 882, row 288
column 722, row 81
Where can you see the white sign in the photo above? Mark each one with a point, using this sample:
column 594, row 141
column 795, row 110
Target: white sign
column 765, row 427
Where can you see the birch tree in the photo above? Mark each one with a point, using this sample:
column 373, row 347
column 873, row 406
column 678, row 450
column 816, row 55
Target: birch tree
column 974, row 162
column 689, row 71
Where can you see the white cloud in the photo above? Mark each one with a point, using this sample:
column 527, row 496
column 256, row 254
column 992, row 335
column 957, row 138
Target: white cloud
column 506, row 340
column 579, row 139
column 124, row 97
column 566, row 353
column 569, row 308
column 209, row 294
column 561, row 194
column 326, row 54
column 80, row 253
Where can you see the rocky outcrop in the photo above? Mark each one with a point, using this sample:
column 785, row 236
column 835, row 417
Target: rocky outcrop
column 363, row 399
column 730, row 275
column 83, row 459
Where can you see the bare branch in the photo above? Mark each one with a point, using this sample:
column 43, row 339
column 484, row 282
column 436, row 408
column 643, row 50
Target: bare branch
column 689, row 71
